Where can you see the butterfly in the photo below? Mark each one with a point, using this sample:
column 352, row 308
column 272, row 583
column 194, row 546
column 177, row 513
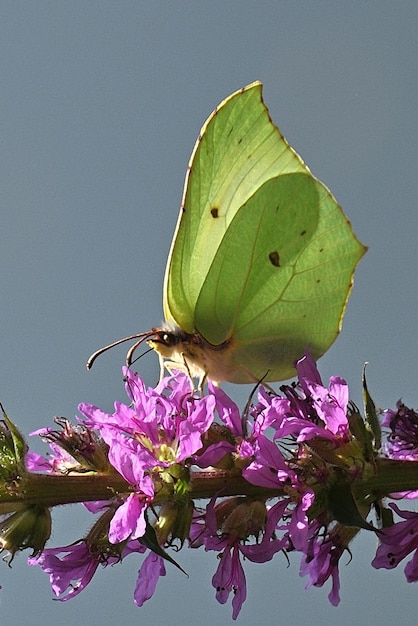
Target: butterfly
column 262, row 260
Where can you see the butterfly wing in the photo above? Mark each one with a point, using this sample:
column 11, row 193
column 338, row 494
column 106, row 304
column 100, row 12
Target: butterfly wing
column 280, row 279
column 238, row 149
column 263, row 257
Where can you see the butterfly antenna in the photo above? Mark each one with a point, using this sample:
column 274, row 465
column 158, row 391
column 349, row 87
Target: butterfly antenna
column 138, row 357
column 142, row 337
column 132, row 350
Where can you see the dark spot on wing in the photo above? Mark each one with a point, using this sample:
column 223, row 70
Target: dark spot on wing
column 303, row 233
column 274, row 258
column 214, row 212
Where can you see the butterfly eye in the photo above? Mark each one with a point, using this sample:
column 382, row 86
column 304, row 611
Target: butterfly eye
column 169, row 339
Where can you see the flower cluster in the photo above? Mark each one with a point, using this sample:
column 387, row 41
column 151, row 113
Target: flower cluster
column 300, row 471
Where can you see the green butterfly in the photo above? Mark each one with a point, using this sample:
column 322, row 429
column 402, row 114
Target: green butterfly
column 262, row 260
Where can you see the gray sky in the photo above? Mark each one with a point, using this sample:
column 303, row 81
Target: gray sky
column 101, row 103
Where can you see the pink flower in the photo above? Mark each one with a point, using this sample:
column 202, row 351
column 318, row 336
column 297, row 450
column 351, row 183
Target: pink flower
column 397, row 542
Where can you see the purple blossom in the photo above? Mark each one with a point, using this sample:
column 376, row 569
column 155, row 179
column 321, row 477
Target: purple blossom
column 397, row 542
column 155, row 432
column 231, row 540
column 269, row 468
column 152, row 568
column 228, row 411
column 70, row 568
column 166, row 429
column 129, row 519
column 264, row 550
column 331, row 405
column 309, row 409
column 228, row 577
column 60, row 461
column 325, row 408
column 403, row 437
column 37, row 463
column 299, row 525
column 290, row 462
column 321, row 563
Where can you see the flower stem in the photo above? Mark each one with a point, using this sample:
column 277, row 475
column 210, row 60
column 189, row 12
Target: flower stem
column 391, row 476
column 52, row 490
column 224, row 483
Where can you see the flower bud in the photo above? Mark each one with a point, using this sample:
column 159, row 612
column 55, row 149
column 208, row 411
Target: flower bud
column 174, row 521
column 27, row 528
column 241, row 517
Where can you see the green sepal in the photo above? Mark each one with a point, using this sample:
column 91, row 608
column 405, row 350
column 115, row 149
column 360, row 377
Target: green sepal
column 361, row 433
column 384, row 515
column 150, row 541
column 12, row 449
column 372, row 421
column 344, row 507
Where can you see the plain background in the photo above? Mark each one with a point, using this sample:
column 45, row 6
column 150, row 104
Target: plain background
column 100, row 106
